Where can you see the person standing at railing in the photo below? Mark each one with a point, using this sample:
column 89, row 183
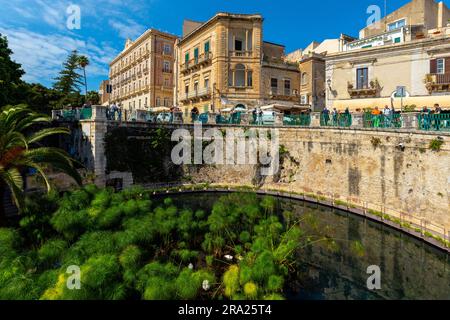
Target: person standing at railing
column 334, row 115
column 254, row 116
column 260, row 116
column 387, row 117
column 436, row 116
column 347, row 117
column 426, row 115
column 376, row 115
column 326, row 116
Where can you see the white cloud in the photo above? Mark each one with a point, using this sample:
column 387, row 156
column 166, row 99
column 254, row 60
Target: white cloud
column 42, row 55
column 128, row 29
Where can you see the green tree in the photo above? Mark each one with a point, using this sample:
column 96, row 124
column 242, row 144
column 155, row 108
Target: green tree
column 10, row 74
column 69, row 80
column 19, row 151
column 83, row 61
column 93, row 97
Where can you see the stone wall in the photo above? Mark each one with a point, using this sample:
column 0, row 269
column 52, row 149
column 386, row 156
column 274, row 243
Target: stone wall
column 392, row 172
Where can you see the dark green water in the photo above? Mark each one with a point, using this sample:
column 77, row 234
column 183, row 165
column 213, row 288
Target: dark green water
column 410, row 269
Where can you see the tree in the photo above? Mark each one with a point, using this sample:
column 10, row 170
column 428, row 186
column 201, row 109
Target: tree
column 84, row 62
column 69, row 80
column 10, row 74
column 19, row 151
column 93, row 97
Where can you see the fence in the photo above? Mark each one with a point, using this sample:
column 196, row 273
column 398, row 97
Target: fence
column 382, row 121
column 434, row 122
column 336, row 120
column 300, row 120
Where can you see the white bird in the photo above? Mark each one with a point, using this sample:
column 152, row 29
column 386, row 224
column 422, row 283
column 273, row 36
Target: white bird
column 205, row 285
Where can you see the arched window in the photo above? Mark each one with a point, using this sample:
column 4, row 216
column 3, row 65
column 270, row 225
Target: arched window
column 304, row 78
column 239, row 75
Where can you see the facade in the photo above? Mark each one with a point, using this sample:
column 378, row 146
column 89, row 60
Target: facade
column 402, row 60
column 142, row 75
column 224, row 63
column 103, row 92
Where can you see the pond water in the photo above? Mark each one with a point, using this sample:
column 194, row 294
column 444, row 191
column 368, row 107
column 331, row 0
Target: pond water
column 410, row 269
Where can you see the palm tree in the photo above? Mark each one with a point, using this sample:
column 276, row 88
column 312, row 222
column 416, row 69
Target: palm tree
column 19, row 150
column 83, row 61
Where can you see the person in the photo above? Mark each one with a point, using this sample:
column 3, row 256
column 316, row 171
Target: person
column 254, row 116
column 376, row 113
column 425, row 115
column 194, row 114
column 260, row 116
column 334, row 114
column 347, row 117
column 436, row 116
column 326, row 115
column 387, row 116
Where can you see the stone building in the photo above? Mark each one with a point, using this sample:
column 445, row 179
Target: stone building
column 103, row 92
column 224, row 63
column 142, row 75
column 404, row 59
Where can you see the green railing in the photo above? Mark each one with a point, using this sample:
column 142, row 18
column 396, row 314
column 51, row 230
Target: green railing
column 338, row 120
column 434, row 122
column 382, row 121
column 85, row 113
column 69, row 114
column 301, row 120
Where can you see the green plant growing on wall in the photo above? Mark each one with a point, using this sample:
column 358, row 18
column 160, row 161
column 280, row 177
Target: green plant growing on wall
column 375, row 141
column 436, row 144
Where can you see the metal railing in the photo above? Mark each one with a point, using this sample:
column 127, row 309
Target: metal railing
column 300, row 120
column 336, row 120
column 393, row 121
column 434, row 122
column 77, row 114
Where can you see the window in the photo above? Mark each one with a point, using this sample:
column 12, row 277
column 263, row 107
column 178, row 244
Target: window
column 238, row 45
column 196, row 55
column 166, row 49
column 158, row 101
column 239, row 76
column 186, row 89
column 304, row 78
column 206, row 83
column 249, row 79
column 396, row 25
column 274, row 85
column 145, row 105
column 196, row 86
column 166, row 82
column 287, row 87
column 362, row 78
column 206, row 47
column 166, row 102
column 139, row 104
column 186, row 58
column 166, row 66
column 440, row 66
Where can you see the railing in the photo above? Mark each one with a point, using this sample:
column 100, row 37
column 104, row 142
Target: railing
column 336, row 120
column 382, row 121
column 197, row 61
column 438, row 78
column 434, row 122
column 241, row 53
column 301, row 120
column 77, row 114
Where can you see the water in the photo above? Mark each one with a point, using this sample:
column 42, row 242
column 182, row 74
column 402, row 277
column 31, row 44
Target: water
column 410, row 269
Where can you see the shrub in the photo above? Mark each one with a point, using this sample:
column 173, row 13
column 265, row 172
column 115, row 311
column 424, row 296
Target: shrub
column 436, row 144
column 251, row 290
column 130, row 256
column 52, row 250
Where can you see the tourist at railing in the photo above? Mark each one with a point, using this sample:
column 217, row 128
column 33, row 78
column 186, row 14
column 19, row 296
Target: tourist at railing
column 194, row 114
column 376, row 113
column 326, row 115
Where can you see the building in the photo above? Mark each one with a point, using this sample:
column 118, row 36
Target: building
column 224, row 63
column 404, row 59
column 103, row 92
column 142, row 75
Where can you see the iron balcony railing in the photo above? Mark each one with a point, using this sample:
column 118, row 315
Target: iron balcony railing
column 438, row 78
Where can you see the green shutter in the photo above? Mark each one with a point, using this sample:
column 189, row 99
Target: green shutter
column 206, row 47
column 186, row 58
column 196, row 53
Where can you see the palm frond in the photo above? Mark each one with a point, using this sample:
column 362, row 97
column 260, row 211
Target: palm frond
column 45, row 133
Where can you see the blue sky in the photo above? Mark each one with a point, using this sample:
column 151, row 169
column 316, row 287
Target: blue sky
column 40, row 39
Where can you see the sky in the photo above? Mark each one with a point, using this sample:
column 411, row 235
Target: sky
column 41, row 39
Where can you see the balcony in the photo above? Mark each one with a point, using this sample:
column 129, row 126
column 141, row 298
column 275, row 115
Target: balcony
column 164, row 70
column 240, row 54
column 437, row 82
column 145, row 70
column 202, row 60
column 284, row 95
column 368, row 91
column 195, row 95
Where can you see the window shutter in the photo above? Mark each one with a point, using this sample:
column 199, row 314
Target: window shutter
column 433, row 66
column 447, row 65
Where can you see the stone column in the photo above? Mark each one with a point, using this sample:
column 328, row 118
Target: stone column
column 357, row 120
column 98, row 113
column 278, row 118
column 410, row 120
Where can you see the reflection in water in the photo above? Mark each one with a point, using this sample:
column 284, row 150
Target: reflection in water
column 410, row 269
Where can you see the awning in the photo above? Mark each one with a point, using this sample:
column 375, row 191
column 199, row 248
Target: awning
column 159, row 109
column 282, row 107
